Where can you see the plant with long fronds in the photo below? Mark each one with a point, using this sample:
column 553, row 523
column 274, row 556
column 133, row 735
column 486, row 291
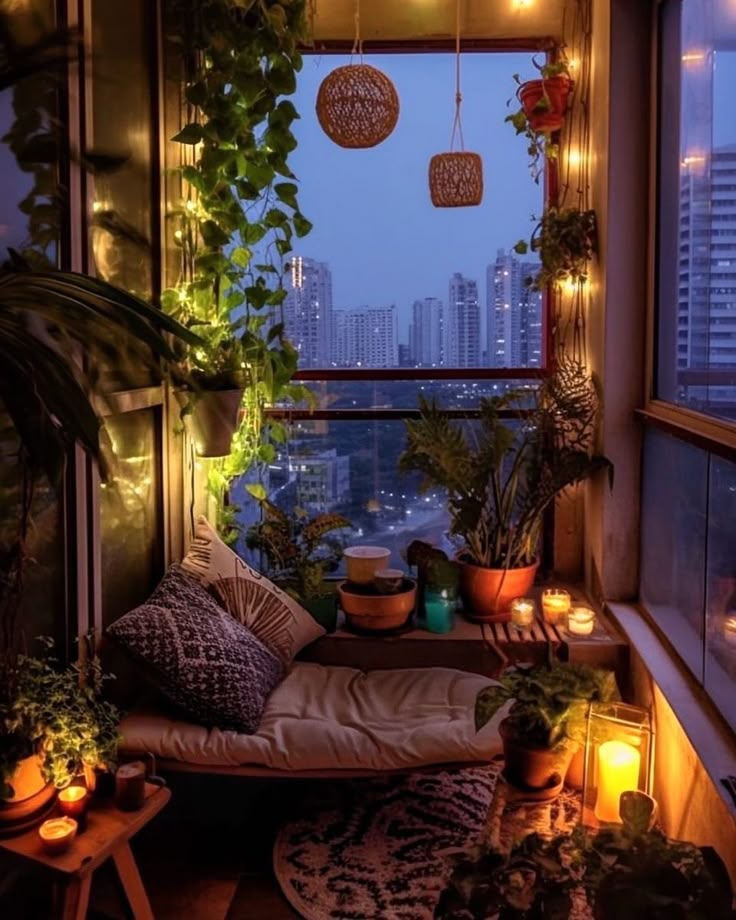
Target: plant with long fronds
column 502, row 474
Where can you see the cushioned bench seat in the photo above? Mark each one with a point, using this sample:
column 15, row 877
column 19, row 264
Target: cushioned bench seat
column 333, row 720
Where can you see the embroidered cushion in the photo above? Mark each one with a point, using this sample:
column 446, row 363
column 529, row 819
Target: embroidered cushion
column 203, row 660
column 255, row 601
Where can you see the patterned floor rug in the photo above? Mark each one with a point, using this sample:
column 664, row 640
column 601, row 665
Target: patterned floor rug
column 380, row 849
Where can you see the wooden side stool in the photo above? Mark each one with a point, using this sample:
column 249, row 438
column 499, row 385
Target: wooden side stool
column 107, row 834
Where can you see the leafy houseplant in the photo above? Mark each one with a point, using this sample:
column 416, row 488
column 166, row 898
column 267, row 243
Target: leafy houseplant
column 546, row 721
column 240, row 214
column 501, row 476
column 60, row 714
column 543, row 103
column 631, row 871
column 301, row 551
column 566, row 240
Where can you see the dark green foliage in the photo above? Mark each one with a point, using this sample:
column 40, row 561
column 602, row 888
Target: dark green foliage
column 550, row 703
column 502, row 476
column 566, row 240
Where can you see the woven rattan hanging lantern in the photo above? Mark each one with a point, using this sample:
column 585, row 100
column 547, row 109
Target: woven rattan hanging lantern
column 357, row 104
column 456, row 177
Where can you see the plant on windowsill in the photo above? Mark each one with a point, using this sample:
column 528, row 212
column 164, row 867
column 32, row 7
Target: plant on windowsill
column 240, row 215
column 301, row 551
column 631, row 871
column 56, row 726
column 501, row 475
column 565, row 240
column 546, row 722
column 543, row 103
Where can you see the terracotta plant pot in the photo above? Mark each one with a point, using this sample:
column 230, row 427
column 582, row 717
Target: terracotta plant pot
column 574, row 775
column 214, row 420
column 534, row 770
column 487, row 593
column 32, row 800
column 368, row 610
column 557, row 90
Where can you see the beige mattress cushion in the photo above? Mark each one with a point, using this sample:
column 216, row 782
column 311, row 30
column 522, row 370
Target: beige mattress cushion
column 326, row 718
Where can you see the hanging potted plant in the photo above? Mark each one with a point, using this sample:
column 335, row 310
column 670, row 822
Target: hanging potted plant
column 566, row 240
column 501, row 475
column 543, row 104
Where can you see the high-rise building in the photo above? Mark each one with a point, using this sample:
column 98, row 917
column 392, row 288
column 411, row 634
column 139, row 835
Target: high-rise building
column 368, row 337
column 706, row 328
column 308, row 311
column 514, row 313
column 425, row 337
column 461, row 330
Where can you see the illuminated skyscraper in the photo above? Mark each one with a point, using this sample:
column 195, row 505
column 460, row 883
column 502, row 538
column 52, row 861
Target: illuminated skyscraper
column 308, row 311
column 461, row 331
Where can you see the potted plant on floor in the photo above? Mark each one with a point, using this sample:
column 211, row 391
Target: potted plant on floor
column 566, row 240
column 502, row 474
column 542, row 106
column 300, row 551
column 632, row 871
column 541, row 732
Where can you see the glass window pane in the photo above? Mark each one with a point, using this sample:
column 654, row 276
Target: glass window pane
column 674, row 540
column 720, row 659
column 697, row 217
column 385, row 279
column 130, row 514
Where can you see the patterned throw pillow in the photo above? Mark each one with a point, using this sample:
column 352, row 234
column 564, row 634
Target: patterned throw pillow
column 275, row 617
column 202, row 659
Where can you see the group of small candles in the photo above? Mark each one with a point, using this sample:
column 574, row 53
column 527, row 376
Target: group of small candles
column 57, row 833
column 557, row 609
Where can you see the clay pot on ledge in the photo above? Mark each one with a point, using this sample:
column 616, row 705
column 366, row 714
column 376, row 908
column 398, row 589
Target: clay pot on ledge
column 557, row 90
column 538, row 772
column 487, row 593
column 214, row 420
column 368, row 610
column 32, row 797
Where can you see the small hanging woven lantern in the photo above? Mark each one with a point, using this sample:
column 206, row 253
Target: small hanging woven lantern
column 456, row 180
column 456, row 177
column 357, row 106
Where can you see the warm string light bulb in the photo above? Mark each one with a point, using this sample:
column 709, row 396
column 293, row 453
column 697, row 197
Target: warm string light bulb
column 522, row 4
column 574, row 157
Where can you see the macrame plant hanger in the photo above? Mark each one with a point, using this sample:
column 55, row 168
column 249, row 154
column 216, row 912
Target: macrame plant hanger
column 456, row 177
column 357, row 104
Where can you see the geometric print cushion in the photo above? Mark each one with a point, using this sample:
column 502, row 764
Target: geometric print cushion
column 202, row 659
column 255, row 601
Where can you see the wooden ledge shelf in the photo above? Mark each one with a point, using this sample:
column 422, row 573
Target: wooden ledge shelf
column 475, row 647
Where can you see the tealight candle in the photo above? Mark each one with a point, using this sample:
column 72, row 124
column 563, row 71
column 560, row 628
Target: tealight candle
column 580, row 621
column 57, row 833
column 555, row 604
column 73, row 802
column 439, row 607
column 729, row 630
column 522, row 612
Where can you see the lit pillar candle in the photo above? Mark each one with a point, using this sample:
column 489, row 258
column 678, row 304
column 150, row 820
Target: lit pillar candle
column 618, row 771
column 555, row 604
column 73, row 802
column 522, row 612
column 580, row 621
column 439, row 609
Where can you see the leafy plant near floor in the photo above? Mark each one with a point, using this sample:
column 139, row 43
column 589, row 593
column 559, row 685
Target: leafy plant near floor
column 237, row 224
column 630, row 871
column 566, row 241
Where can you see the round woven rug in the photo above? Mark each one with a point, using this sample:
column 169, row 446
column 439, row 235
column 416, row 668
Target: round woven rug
column 380, row 849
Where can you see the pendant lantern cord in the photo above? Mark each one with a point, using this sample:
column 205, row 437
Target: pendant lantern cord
column 357, row 40
column 457, row 125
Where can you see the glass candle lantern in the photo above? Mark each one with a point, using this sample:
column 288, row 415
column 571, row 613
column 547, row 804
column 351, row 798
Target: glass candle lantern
column 522, row 612
column 439, row 609
column 618, row 758
column 555, row 605
column 580, row 621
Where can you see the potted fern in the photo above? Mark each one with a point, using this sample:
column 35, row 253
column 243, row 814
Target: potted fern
column 300, row 551
column 501, row 475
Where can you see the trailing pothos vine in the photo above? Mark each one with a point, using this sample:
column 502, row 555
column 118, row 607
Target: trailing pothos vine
column 239, row 215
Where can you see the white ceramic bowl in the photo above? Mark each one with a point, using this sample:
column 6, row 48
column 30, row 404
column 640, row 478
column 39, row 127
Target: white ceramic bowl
column 364, row 561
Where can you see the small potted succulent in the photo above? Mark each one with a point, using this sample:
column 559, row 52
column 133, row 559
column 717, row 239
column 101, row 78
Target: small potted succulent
column 546, row 721
column 542, row 106
column 300, row 551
